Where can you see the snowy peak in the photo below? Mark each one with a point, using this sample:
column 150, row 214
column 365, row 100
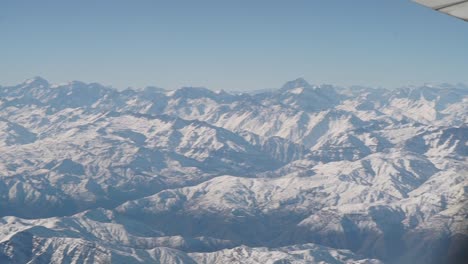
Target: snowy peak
column 36, row 81
column 295, row 84
column 299, row 93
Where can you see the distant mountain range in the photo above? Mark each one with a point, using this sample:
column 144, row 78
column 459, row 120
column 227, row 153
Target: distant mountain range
column 301, row 174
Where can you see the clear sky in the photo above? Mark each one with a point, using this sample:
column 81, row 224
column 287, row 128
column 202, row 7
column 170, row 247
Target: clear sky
column 232, row 45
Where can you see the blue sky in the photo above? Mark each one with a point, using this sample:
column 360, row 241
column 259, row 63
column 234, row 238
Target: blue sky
column 232, row 45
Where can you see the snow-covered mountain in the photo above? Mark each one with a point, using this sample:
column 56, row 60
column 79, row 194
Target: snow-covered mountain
column 302, row 174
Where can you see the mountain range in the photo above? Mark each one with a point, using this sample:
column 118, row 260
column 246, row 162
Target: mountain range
column 301, row 174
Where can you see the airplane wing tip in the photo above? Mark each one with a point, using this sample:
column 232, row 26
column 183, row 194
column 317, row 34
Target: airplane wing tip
column 455, row 8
